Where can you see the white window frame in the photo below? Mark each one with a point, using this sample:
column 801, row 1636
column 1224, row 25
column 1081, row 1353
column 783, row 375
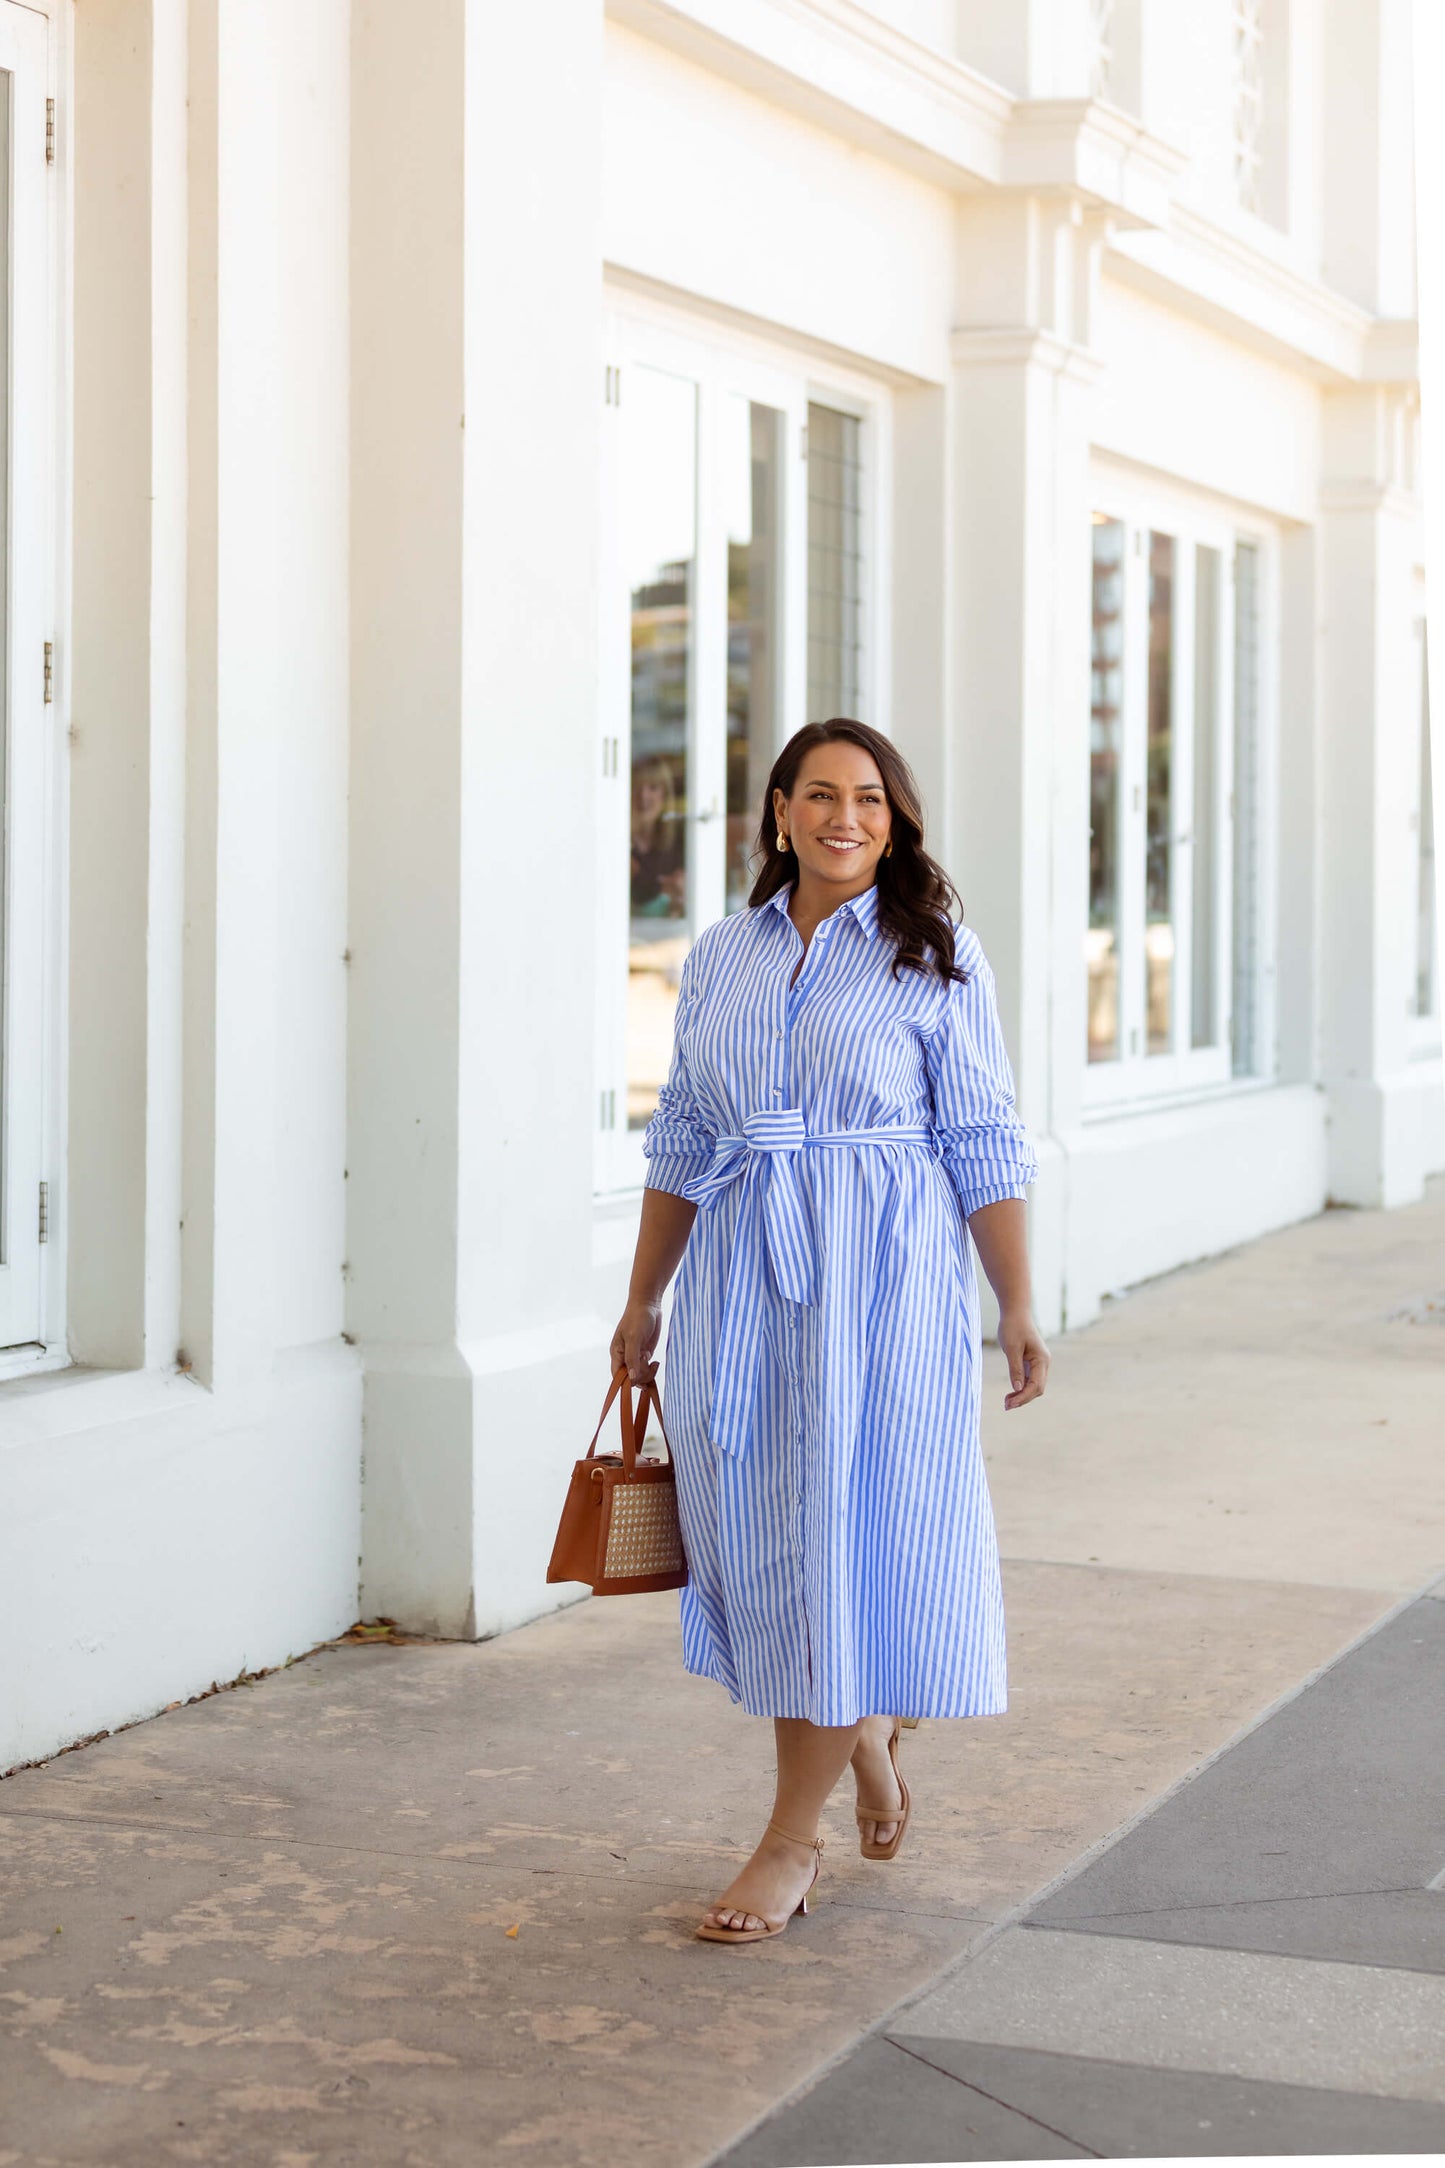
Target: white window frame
column 1137, row 1078
column 720, row 363
column 31, row 1331
column 1423, row 1028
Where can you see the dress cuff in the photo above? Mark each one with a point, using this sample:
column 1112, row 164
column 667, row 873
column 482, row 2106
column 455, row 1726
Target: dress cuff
column 995, row 1192
column 673, row 1170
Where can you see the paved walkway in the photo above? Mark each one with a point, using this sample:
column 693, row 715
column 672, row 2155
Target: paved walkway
column 430, row 1904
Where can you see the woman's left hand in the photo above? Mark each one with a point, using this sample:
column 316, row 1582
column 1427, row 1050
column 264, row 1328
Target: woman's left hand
column 1026, row 1354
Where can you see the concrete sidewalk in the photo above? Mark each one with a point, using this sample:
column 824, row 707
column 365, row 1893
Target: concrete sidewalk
column 432, row 1904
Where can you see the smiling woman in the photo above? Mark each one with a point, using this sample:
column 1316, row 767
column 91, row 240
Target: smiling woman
column 838, row 1105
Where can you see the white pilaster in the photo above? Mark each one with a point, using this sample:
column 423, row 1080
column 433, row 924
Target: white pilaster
column 477, row 393
column 1368, row 691
column 1018, row 770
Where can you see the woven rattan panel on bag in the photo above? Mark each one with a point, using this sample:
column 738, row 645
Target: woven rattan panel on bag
column 642, row 1531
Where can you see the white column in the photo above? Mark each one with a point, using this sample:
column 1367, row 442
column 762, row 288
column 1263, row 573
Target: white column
column 1368, row 696
column 477, row 390
column 1018, row 766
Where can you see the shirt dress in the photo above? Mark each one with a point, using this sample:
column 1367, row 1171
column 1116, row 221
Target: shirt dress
column 822, row 1363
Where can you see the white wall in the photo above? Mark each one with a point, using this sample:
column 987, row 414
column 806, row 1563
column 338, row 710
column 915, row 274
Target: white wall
column 717, row 194
column 162, row 1528
column 1192, row 404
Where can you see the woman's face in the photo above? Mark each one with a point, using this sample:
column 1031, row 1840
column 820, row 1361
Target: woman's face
column 651, row 799
column 838, row 819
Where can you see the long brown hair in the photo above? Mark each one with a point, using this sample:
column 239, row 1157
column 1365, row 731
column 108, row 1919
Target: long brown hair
column 916, row 899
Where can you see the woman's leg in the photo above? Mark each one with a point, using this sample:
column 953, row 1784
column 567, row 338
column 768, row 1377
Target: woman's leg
column 811, row 1758
column 873, row 1769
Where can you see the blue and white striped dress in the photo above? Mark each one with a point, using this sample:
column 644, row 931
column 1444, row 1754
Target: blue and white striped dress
column 821, row 1373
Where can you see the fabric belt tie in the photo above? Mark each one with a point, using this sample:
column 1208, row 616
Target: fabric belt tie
column 774, row 1228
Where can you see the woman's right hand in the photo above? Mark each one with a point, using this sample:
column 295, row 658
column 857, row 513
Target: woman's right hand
column 635, row 1339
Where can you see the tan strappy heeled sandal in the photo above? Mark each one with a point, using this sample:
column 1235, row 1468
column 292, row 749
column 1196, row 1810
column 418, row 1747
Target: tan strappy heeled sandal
column 869, row 1846
column 769, row 1927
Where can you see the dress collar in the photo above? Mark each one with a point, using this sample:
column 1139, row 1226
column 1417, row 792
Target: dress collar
column 863, row 908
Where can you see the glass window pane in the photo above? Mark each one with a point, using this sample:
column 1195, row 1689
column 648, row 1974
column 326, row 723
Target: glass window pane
column 1159, row 802
column 1427, row 982
column 1203, row 817
column 1244, row 969
column 659, row 452
column 753, row 468
column 1106, row 744
column 835, row 563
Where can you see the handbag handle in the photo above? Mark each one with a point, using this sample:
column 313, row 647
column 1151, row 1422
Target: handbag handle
column 634, row 1427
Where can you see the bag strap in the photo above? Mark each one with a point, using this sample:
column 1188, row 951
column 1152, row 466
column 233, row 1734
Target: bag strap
column 650, row 1394
column 634, row 1425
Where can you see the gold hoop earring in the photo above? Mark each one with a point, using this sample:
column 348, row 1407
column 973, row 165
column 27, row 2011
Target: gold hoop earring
column 888, row 848
column 782, row 841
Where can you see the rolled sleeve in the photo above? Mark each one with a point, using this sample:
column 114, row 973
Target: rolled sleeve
column 981, row 1141
column 678, row 1142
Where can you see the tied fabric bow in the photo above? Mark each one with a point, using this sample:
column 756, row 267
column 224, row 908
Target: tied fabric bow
column 774, row 1228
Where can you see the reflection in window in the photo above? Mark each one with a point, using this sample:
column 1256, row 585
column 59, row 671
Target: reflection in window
column 1244, row 1051
column 1106, row 724
column 1203, row 1000
column 659, row 449
column 835, row 563
column 1159, row 801
column 753, row 471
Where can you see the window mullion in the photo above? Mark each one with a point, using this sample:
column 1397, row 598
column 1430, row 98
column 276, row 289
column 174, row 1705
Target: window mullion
column 792, row 707
column 1134, row 821
column 613, row 769
column 1223, row 813
column 707, row 765
column 1184, row 815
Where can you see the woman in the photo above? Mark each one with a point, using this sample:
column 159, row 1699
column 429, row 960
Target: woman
column 839, row 1102
column 658, row 875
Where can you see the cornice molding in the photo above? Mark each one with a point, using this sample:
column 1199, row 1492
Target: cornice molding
column 1095, row 151
column 1019, row 346
column 1392, row 351
column 837, row 65
column 1366, row 495
column 834, row 63
column 1206, row 271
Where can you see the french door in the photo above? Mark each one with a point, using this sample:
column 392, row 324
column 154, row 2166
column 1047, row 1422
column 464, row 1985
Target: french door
column 26, row 663
column 1166, row 843
column 707, row 637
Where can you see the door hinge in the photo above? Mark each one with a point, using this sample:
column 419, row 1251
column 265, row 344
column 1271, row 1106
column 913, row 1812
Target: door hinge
column 50, row 131
column 44, row 1228
column 803, row 441
column 612, row 385
column 49, row 672
column 610, row 750
column 608, row 1109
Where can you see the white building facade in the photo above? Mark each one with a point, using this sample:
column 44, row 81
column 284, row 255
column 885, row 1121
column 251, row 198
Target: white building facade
column 448, row 451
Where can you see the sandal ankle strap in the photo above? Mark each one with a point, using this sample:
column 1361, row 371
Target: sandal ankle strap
column 814, row 1844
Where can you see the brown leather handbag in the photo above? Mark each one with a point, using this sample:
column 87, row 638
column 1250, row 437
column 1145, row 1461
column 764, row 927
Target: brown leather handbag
column 619, row 1530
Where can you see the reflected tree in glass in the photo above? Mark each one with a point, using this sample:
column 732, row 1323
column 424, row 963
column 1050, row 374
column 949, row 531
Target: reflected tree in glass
column 835, row 562
column 1106, row 725
column 659, row 451
column 753, row 475
column 1159, row 931
column 1204, row 815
